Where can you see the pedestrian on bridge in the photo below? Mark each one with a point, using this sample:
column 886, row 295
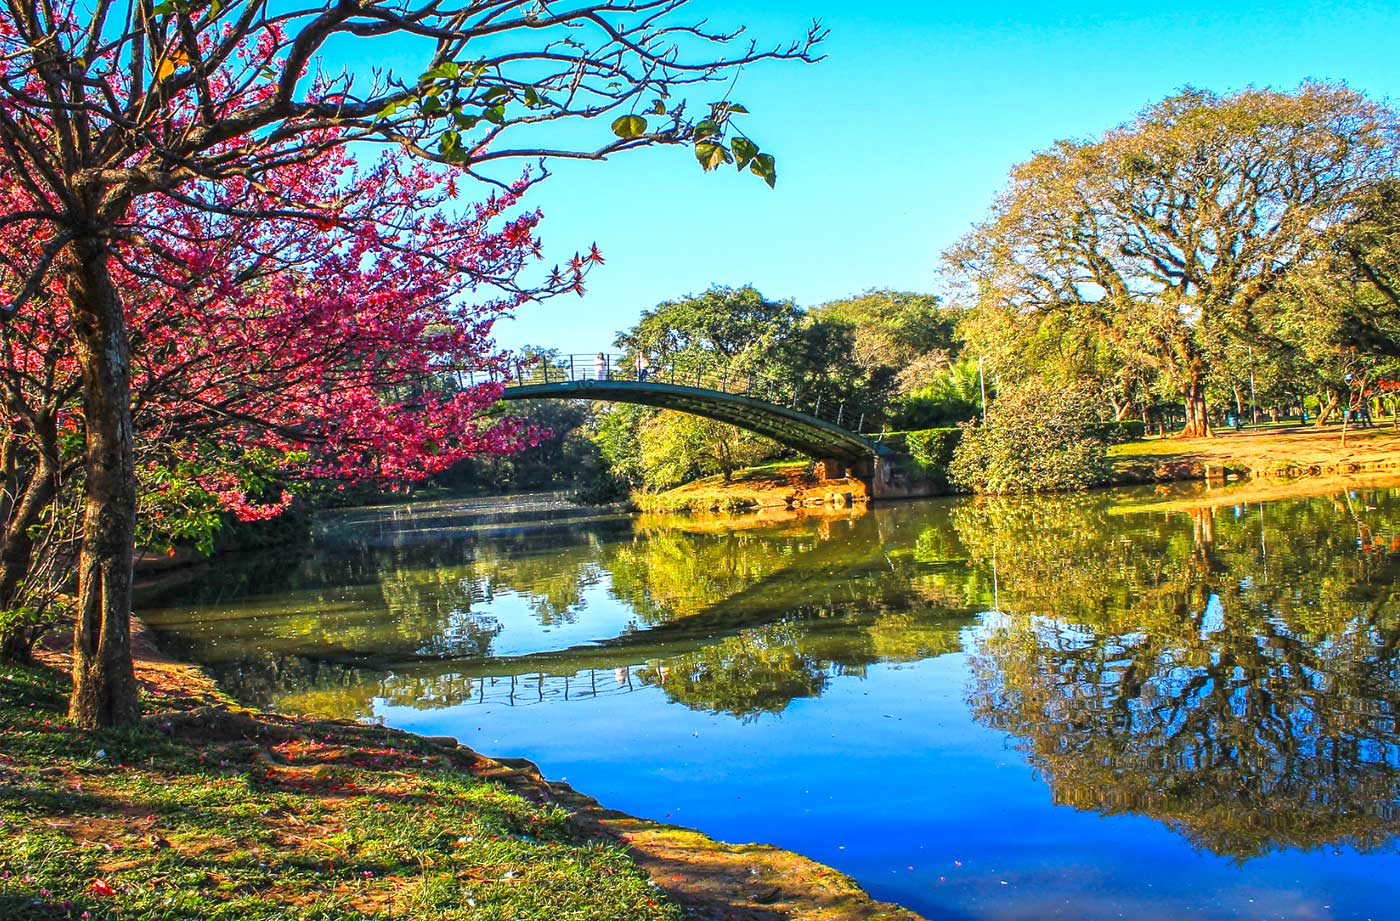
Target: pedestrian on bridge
column 600, row 367
column 643, row 368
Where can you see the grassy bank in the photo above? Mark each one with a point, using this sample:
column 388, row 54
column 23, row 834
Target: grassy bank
column 1292, row 451
column 211, row 811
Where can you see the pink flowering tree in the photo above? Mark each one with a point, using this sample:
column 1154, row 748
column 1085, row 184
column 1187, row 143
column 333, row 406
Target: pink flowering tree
column 111, row 110
column 266, row 351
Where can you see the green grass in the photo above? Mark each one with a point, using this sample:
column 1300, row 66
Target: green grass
column 206, row 816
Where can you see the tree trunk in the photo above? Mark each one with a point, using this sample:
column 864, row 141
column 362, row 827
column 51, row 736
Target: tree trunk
column 16, row 556
column 1193, row 397
column 104, row 680
column 1326, row 406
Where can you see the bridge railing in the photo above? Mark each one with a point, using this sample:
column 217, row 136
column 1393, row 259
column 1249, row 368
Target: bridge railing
column 686, row 371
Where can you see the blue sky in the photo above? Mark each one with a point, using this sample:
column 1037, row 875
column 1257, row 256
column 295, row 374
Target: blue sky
column 894, row 146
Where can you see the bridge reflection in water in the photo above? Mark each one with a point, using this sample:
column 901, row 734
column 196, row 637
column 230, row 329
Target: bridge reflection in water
column 1229, row 669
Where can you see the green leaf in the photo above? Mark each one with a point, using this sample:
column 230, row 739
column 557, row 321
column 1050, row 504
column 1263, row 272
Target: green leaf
column 166, row 8
column 657, row 108
column 464, row 121
column 450, row 144
column 711, row 156
column 447, row 70
column 497, row 92
column 532, row 98
column 391, row 108
column 709, row 128
column 431, row 105
column 744, row 151
column 496, row 115
column 630, row 126
column 763, row 166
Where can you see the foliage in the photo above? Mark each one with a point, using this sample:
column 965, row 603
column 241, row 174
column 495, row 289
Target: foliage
column 933, row 448
column 1037, row 438
column 1119, row 432
column 951, row 396
column 560, row 453
column 734, row 331
column 1150, row 239
column 737, row 327
column 678, row 447
column 617, row 433
column 907, row 334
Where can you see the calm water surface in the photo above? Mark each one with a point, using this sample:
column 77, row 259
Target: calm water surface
column 1149, row 705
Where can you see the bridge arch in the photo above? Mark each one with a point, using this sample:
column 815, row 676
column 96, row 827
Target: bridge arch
column 789, row 427
column 750, row 401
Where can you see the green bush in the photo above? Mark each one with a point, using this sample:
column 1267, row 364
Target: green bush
column 1037, row 439
column 933, row 448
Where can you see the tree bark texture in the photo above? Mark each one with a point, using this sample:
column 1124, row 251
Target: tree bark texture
column 1193, row 397
column 104, row 681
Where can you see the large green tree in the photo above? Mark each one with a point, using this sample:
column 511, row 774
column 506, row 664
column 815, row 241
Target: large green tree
column 906, row 334
column 1164, row 234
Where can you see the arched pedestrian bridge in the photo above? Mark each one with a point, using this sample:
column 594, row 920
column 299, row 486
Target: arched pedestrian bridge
column 750, row 401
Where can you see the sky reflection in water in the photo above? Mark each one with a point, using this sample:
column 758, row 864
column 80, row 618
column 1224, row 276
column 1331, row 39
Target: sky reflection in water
column 1153, row 705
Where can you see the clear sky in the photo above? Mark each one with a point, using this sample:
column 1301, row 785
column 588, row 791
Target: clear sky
column 892, row 147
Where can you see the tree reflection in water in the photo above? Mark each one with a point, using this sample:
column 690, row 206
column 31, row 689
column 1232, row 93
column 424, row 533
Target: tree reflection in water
column 1228, row 669
column 1195, row 667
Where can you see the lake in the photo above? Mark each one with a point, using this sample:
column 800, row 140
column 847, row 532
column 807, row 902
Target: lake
column 1149, row 704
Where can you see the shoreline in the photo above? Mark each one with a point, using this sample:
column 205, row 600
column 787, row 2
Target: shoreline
column 1284, row 454
column 707, row 879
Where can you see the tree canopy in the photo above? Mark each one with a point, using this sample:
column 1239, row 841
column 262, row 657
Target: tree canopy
column 1163, row 236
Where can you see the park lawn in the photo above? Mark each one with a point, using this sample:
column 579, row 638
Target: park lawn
column 210, row 812
column 1282, row 451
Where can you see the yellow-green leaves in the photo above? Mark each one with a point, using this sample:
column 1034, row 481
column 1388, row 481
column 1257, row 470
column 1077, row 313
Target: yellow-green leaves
column 630, row 126
column 764, row 167
column 711, row 156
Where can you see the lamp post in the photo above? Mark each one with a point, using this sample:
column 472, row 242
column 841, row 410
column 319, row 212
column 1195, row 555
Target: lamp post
column 982, row 385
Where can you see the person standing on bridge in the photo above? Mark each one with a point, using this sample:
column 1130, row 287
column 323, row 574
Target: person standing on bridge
column 600, row 367
column 643, row 368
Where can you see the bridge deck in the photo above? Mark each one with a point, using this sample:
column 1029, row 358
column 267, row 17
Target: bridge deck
column 788, row 426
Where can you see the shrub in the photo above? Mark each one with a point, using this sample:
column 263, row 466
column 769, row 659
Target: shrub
column 933, row 448
column 22, row 628
column 1037, row 439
